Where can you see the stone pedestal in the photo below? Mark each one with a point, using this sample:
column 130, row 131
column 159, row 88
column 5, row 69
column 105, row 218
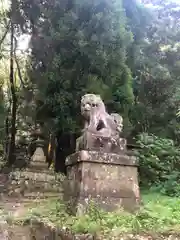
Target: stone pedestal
column 109, row 180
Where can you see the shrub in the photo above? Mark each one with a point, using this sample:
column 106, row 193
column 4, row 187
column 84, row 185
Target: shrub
column 159, row 164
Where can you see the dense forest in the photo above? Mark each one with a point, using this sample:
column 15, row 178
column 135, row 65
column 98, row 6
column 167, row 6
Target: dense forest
column 127, row 51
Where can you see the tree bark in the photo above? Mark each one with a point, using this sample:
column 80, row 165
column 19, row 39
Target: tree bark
column 11, row 151
column 5, row 34
column 7, row 132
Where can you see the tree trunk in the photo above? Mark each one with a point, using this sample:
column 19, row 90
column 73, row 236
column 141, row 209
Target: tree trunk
column 11, row 152
column 7, row 133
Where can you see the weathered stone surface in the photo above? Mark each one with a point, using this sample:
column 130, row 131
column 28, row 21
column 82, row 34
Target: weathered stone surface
column 32, row 184
column 111, row 180
column 101, row 130
column 38, row 165
column 36, row 150
column 38, row 160
column 101, row 157
column 39, row 155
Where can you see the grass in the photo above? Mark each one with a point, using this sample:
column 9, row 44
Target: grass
column 159, row 214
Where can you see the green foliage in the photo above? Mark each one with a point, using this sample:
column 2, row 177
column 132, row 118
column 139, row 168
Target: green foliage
column 82, row 46
column 124, row 51
column 178, row 113
column 78, row 47
column 158, row 214
column 155, row 57
column 159, row 164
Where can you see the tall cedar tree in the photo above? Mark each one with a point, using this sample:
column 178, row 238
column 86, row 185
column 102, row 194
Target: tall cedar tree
column 78, row 47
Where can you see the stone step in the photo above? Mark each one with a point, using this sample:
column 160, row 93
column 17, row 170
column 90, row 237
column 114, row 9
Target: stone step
column 30, row 184
column 34, row 195
column 40, row 189
column 44, row 176
column 33, row 184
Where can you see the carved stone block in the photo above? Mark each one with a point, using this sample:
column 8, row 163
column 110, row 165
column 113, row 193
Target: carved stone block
column 108, row 179
column 102, row 131
column 89, row 141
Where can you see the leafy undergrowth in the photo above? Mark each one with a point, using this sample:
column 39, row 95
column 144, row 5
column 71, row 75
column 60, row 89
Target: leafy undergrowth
column 159, row 214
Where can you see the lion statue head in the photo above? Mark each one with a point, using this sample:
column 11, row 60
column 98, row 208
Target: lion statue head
column 118, row 120
column 91, row 103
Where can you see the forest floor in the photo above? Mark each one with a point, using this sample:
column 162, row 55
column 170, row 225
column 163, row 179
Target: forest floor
column 159, row 218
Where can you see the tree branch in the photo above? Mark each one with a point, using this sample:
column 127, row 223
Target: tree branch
column 6, row 32
column 17, row 64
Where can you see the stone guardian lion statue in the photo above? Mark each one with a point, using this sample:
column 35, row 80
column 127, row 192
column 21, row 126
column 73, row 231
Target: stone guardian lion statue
column 101, row 130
